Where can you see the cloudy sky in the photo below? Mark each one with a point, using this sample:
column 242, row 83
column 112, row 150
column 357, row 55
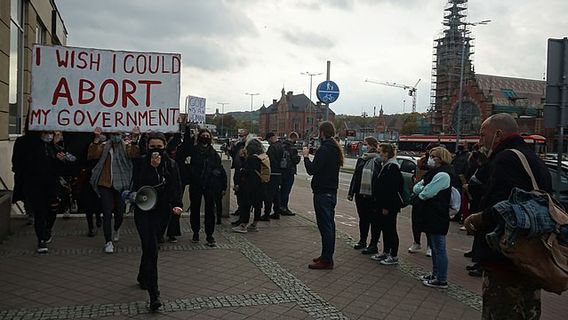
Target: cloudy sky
column 232, row 47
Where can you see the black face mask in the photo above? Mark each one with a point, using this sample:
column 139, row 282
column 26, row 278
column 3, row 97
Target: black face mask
column 160, row 151
column 204, row 140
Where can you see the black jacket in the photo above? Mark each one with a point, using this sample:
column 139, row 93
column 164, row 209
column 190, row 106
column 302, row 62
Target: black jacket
column 505, row 173
column 275, row 153
column 205, row 169
column 355, row 183
column 433, row 215
column 250, row 184
column 294, row 157
column 387, row 190
column 325, row 168
column 165, row 178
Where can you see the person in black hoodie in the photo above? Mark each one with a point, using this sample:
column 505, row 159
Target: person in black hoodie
column 325, row 171
column 275, row 153
column 205, row 170
column 507, row 292
column 362, row 191
column 157, row 170
column 432, row 204
column 292, row 159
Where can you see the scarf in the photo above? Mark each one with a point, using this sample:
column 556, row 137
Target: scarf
column 121, row 168
column 366, row 187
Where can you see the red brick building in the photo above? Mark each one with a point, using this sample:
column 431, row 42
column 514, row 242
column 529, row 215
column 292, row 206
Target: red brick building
column 293, row 113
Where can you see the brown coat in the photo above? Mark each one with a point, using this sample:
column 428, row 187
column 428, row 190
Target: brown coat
column 95, row 152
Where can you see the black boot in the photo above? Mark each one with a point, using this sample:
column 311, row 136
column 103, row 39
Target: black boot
column 155, row 302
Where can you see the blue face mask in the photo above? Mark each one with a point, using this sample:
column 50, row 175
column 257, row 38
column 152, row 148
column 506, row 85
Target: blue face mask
column 365, row 148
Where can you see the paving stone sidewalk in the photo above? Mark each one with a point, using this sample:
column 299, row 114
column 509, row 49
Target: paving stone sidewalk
column 260, row 275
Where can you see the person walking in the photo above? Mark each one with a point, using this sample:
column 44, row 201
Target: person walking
column 324, row 168
column 507, row 293
column 111, row 175
column 433, row 206
column 155, row 169
column 205, row 174
column 288, row 173
column 361, row 189
column 388, row 199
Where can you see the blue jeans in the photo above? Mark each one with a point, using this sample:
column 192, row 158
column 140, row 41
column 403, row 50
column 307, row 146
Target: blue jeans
column 437, row 243
column 287, row 183
column 324, row 205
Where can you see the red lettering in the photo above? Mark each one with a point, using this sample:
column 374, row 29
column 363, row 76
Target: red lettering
column 63, row 121
column 174, row 114
column 62, row 91
column 114, row 94
column 131, row 118
column 96, row 61
column 124, row 64
column 118, row 119
column 92, row 120
column 35, row 115
column 106, row 120
column 148, row 84
column 176, row 63
column 143, row 115
column 81, row 56
column 79, row 120
column 82, row 90
column 62, row 61
column 127, row 94
column 38, row 56
column 163, row 116
column 152, row 117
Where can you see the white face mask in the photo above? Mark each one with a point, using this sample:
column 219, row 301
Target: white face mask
column 431, row 163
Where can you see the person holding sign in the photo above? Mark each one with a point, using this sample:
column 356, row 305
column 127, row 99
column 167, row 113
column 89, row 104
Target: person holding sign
column 158, row 170
column 112, row 175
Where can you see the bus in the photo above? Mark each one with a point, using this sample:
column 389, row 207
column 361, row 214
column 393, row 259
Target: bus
column 416, row 144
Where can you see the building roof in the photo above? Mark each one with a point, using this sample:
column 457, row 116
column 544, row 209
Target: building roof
column 296, row 102
column 508, row 91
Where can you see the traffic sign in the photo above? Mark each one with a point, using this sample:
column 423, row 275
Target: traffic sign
column 327, row 92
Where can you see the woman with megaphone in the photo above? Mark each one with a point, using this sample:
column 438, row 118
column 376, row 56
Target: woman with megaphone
column 158, row 171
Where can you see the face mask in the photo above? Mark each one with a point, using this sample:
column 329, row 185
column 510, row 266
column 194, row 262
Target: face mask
column 431, row 163
column 204, row 140
column 116, row 139
column 47, row 137
column 364, row 148
column 160, row 151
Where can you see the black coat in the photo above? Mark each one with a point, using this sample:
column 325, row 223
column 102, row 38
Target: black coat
column 275, row 153
column 294, row 157
column 325, row 167
column 505, row 173
column 387, row 190
column 250, row 184
column 432, row 216
column 165, row 177
column 355, row 183
column 205, row 170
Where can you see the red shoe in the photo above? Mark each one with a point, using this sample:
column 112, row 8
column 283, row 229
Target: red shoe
column 321, row 265
column 316, row 259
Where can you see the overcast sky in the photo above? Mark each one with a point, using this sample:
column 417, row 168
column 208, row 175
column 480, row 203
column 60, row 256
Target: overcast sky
column 232, row 47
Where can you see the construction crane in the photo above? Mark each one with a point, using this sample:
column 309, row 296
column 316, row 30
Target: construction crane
column 411, row 89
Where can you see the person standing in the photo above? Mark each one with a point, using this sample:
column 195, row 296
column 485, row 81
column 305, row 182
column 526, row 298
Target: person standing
column 204, row 170
column 324, row 168
column 235, row 151
column 432, row 205
column 361, row 188
column 111, row 175
column 507, row 293
column 292, row 159
column 158, row 170
column 275, row 153
column 388, row 199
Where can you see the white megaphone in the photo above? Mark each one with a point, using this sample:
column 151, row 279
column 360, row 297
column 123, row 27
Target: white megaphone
column 145, row 198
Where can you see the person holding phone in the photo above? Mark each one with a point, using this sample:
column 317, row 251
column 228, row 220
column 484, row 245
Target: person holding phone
column 158, row 170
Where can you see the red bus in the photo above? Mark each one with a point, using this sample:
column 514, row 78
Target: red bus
column 416, row 144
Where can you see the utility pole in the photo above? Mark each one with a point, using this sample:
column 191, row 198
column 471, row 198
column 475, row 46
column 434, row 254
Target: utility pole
column 222, row 114
column 311, row 75
column 251, row 100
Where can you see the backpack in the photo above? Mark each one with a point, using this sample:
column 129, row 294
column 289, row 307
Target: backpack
column 542, row 258
column 406, row 194
column 264, row 173
column 455, row 202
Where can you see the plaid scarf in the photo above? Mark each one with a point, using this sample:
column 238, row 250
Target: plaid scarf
column 366, row 187
column 121, row 168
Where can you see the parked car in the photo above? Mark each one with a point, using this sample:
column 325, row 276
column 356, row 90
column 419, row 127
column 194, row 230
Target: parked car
column 563, row 186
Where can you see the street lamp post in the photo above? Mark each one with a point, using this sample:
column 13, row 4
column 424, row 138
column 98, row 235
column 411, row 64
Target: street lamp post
column 311, row 75
column 460, row 94
column 222, row 114
column 251, row 99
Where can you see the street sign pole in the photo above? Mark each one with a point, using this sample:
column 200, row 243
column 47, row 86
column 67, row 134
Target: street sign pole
column 327, row 79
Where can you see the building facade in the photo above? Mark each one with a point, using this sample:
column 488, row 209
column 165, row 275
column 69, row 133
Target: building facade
column 293, row 113
column 22, row 23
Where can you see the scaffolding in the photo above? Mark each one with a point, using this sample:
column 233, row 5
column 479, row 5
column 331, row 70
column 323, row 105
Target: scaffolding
column 447, row 62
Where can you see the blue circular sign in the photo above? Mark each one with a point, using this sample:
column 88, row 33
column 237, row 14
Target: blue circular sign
column 327, row 92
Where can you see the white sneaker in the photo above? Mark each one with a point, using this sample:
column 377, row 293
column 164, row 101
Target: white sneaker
column 240, row 228
column 415, row 247
column 116, row 236
column 109, row 248
column 428, row 252
column 379, row 256
column 389, row 261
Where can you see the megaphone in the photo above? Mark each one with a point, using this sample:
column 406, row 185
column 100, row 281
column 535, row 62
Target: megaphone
column 145, row 198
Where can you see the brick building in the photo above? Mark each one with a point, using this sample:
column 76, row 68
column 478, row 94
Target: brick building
column 293, row 113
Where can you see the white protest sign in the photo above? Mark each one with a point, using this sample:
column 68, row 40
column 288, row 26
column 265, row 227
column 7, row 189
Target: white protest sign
column 195, row 109
column 79, row 89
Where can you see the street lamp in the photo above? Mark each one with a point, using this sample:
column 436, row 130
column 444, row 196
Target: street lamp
column 251, row 99
column 460, row 94
column 222, row 114
column 311, row 75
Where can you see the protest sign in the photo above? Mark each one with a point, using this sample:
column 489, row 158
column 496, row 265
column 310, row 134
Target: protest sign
column 195, row 107
column 79, row 89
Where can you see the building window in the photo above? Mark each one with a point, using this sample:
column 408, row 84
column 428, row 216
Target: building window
column 16, row 69
column 41, row 35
